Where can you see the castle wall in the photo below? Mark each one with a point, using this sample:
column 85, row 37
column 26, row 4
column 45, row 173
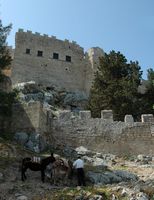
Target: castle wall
column 103, row 134
column 44, row 69
column 92, row 56
column 79, row 129
column 26, row 117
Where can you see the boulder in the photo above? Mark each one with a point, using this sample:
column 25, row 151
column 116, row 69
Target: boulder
column 125, row 175
column 21, row 137
column 103, row 178
column 108, row 177
column 82, row 151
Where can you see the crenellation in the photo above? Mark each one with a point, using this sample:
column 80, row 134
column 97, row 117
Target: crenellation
column 129, row 119
column 147, row 118
column 37, row 33
column 33, row 51
column 29, row 32
column 83, row 130
column 107, row 115
column 49, row 61
column 20, row 30
column 74, row 43
column 64, row 115
column 85, row 115
column 53, row 37
column 45, row 35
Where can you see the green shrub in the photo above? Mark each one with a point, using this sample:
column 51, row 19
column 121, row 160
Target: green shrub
column 6, row 101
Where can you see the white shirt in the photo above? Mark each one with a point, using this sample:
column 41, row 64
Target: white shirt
column 78, row 163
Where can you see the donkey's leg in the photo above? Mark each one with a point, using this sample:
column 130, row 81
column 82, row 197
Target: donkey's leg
column 42, row 175
column 53, row 178
column 23, row 175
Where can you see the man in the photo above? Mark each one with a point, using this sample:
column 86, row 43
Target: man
column 79, row 165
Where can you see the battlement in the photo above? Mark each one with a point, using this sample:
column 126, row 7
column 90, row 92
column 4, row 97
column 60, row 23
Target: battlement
column 52, row 37
column 80, row 129
column 106, row 115
column 52, row 61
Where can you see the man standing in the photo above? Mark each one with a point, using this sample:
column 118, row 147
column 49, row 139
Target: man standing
column 79, row 165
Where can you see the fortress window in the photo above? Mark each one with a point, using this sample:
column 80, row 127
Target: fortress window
column 27, row 51
column 55, row 56
column 40, row 53
column 68, row 58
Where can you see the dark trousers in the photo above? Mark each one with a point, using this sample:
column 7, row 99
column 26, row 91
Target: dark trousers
column 81, row 177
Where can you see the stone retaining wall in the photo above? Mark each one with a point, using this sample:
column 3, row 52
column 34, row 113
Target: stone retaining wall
column 103, row 134
column 79, row 129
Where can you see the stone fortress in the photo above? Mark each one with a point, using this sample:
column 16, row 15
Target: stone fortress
column 49, row 61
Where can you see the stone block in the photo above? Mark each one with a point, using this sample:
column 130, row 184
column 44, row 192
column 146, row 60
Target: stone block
column 29, row 31
column 129, row 119
column 45, row 35
column 20, row 30
column 152, row 130
column 65, row 115
column 36, row 33
column 53, row 37
column 147, row 118
column 86, row 114
column 107, row 115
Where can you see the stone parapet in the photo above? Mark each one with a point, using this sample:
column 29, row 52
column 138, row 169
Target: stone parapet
column 74, row 43
column 107, row 115
column 64, row 115
column 129, row 119
column 147, row 118
column 86, row 114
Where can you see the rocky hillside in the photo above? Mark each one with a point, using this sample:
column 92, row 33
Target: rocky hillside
column 53, row 97
column 107, row 177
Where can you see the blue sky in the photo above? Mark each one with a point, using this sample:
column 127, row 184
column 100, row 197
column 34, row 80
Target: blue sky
column 121, row 25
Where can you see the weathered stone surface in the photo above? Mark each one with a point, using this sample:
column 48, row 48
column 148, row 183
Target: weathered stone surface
column 82, row 150
column 85, row 115
column 129, row 119
column 36, row 143
column 75, row 74
column 107, row 115
column 111, row 177
column 103, row 178
column 147, row 118
column 21, row 137
column 125, row 175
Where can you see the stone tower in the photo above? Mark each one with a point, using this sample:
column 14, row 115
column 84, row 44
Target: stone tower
column 52, row 62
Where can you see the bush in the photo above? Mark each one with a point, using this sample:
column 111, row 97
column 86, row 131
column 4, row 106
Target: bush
column 6, row 101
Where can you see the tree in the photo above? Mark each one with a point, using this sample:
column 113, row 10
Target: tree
column 6, row 99
column 115, row 86
column 148, row 96
column 5, row 58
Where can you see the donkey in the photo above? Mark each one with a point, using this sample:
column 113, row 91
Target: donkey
column 27, row 163
column 61, row 170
